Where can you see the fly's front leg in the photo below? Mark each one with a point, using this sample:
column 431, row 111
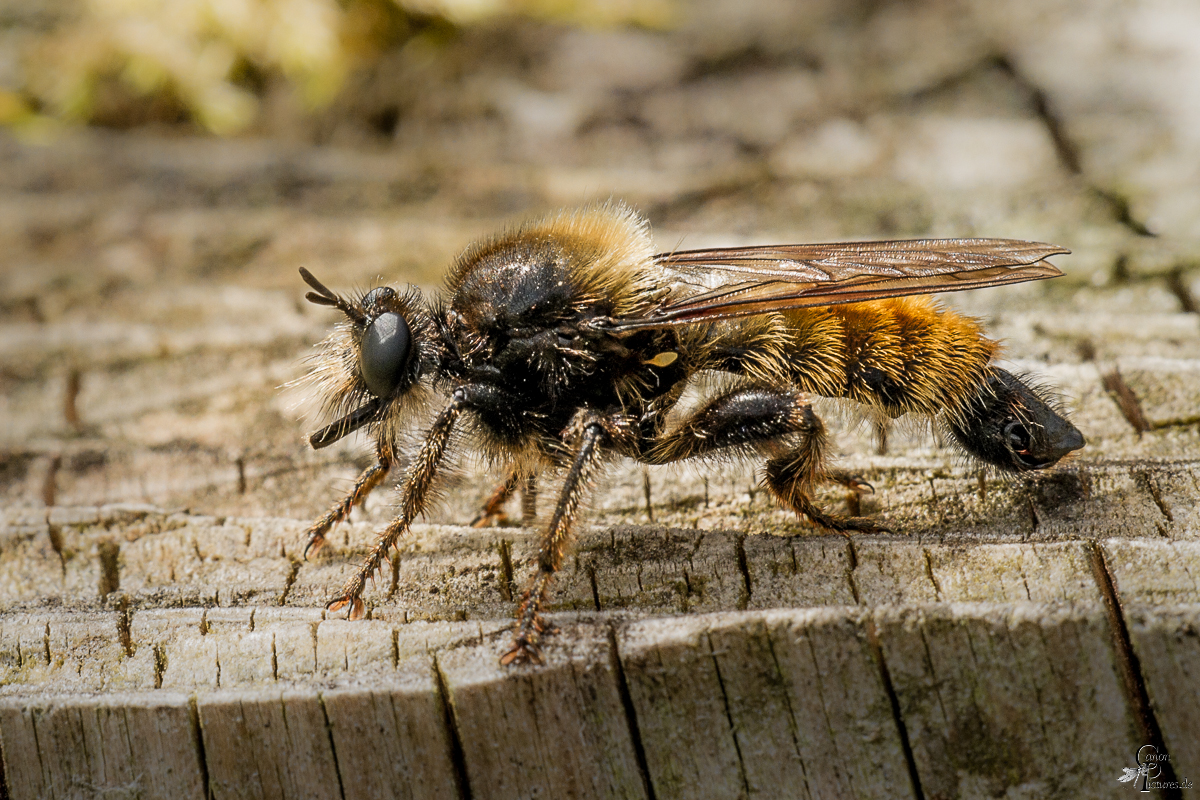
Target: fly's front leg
column 414, row 491
column 588, row 456
column 371, row 477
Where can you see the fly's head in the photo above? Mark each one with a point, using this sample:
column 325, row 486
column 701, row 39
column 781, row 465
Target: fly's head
column 369, row 369
column 1013, row 427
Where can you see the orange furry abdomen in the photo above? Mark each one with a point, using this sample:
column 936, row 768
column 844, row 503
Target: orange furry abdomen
column 897, row 356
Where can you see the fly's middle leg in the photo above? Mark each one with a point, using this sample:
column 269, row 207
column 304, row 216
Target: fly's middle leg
column 492, row 512
column 587, row 460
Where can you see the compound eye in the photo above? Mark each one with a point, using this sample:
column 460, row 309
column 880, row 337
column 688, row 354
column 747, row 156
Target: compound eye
column 384, row 353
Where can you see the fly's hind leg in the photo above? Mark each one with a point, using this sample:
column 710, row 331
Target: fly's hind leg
column 766, row 418
column 371, row 477
column 857, row 487
column 793, row 474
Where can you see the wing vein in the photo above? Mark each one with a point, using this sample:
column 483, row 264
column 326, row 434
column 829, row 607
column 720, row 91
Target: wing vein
column 758, row 280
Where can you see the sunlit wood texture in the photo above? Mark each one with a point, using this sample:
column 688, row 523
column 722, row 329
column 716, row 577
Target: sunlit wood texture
column 716, row 664
column 161, row 635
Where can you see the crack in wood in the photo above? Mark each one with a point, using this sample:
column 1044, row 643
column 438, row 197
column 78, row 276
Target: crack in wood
column 1130, row 667
column 71, row 400
column 1126, row 400
column 3, row 782
column 56, row 542
column 395, row 585
column 933, row 581
column 744, row 567
column 646, row 493
column 1064, row 147
column 337, row 767
column 936, row 504
column 685, row 592
column 1182, row 292
column 852, row 567
column 885, row 677
column 507, row 586
column 290, row 581
column 1149, row 483
column 1119, row 207
column 50, row 483
column 240, row 464
column 124, row 626
column 458, row 758
column 793, row 723
column 108, row 553
column 635, row 734
column 591, row 573
column 198, row 744
column 160, row 664
column 737, row 747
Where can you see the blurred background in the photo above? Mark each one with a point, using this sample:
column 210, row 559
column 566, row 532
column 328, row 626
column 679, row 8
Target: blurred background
column 166, row 165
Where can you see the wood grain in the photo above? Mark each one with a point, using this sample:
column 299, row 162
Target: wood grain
column 161, row 634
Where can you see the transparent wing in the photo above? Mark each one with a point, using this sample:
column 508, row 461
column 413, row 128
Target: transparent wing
column 740, row 281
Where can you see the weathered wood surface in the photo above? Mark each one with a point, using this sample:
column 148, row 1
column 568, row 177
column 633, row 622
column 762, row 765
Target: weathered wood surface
column 161, row 635
column 802, row 666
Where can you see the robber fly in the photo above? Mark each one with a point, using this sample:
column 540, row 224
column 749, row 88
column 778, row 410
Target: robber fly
column 568, row 342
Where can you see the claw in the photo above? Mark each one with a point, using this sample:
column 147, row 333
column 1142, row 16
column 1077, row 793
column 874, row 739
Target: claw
column 522, row 652
column 357, row 608
column 851, row 482
column 489, row 520
column 315, row 543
